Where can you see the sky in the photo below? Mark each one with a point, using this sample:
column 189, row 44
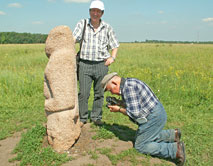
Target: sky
column 132, row 20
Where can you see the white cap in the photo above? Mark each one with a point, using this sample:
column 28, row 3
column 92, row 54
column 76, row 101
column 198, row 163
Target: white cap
column 97, row 4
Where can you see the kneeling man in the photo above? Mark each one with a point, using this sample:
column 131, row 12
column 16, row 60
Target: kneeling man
column 144, row 108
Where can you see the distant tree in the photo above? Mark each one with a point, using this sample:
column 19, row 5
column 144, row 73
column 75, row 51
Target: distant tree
column 21, row 38
column 2, row 38
column 184, row 42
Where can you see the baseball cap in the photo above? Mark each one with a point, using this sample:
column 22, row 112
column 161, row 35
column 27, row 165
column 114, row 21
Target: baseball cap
column 106, row 79
column 97, row 4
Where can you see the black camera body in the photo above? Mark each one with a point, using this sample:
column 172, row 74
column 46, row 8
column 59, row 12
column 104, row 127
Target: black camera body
column 114, row 101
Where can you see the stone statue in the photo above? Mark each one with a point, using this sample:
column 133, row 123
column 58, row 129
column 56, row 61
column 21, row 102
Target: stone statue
column 60, row 90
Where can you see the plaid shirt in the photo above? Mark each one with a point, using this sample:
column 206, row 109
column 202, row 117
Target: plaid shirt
column 95, row 44
column 139, row 98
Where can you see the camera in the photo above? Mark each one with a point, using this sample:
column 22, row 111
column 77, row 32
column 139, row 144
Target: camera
column 114, row 101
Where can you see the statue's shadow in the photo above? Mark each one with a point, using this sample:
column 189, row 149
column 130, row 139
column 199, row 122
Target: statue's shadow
column 125, row 133
column 122, row 132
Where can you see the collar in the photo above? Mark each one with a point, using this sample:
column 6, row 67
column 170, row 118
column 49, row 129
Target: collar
column 102, row 24
column 123, row 80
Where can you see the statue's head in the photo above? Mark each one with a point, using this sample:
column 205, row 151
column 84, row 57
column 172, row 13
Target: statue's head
column 58, row 38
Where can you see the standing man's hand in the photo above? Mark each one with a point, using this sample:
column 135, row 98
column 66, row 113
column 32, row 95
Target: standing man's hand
column 109, row 61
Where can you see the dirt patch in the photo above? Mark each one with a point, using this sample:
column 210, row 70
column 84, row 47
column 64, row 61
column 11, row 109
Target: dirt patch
column 6, row 148
column 86, row 143
column 86, row 151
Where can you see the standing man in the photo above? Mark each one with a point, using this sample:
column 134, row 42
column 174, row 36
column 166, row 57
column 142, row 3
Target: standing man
column 144, row 108
column 94, row 60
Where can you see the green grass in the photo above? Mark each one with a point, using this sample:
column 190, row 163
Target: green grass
column 129, row 155
column 21, row 87
column 31, row 152
column 179, row 74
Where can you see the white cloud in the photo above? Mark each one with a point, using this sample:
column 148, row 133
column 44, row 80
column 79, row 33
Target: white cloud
column 208, row 19
column 77, row 1
column 37, row 22
column 164, row 22
column 161, row 12
column 15, row 5
column 2, row 13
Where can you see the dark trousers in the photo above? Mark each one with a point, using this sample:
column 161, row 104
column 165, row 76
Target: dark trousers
column 91, row 72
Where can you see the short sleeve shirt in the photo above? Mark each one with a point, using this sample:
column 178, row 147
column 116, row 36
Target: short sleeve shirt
column 95, row 43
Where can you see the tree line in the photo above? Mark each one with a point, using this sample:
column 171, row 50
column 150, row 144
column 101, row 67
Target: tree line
column 181, row 42
column 28, row 38
column 21, row 38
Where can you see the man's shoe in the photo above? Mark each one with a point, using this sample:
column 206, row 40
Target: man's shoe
column 180, row 155
column 98, row 122
column 82, row 124
column 177, row 135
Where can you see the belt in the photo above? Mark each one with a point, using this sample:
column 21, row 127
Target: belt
column 91, row 62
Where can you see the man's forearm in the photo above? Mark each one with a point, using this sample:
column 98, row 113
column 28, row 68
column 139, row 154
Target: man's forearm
column 114, row 52
column 123, row 111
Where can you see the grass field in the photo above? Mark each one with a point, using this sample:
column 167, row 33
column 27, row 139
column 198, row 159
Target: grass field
column 179, row 74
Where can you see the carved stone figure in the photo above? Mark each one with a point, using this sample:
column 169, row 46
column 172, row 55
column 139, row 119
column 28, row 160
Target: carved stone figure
column 60, row 90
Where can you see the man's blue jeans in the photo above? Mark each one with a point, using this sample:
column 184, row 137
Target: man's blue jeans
column 152, row 139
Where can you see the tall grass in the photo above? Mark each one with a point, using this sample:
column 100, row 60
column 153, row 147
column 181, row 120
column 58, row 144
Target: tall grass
column 179, row 74
column 21, row 87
